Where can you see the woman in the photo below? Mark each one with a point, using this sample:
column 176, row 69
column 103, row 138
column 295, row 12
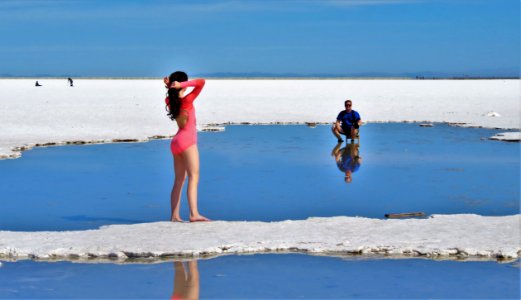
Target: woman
column 186, row 280
column 184, row 144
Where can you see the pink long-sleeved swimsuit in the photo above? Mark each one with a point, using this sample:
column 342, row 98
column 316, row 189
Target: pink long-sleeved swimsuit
column 187, row 136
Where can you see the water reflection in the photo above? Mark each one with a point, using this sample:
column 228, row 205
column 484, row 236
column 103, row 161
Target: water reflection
column 186, row 280
column 348, row 159
column 124, row 183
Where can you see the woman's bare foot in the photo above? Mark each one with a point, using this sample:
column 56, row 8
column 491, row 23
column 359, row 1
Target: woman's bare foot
column 199, row 218
column 177, row 219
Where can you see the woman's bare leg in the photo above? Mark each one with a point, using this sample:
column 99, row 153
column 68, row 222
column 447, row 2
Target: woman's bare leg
column 175, row 196
column 191, row 162
column 192, row 291
column 180, row 280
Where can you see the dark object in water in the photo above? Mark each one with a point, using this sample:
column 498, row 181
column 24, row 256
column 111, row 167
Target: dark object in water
column 405, row 215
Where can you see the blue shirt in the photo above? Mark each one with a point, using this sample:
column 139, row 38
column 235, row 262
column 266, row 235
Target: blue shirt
column 348, row 163
column 348, row 119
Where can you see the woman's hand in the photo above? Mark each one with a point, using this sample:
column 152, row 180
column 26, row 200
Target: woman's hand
column 168, row 85
column 167, row 82
column 176, row 85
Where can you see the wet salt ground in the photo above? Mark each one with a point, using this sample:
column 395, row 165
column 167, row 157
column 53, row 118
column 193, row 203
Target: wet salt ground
column 265, row 173
column 266, row 276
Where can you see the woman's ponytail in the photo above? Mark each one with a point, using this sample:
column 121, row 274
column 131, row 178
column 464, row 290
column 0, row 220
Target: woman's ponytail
column 173, row 105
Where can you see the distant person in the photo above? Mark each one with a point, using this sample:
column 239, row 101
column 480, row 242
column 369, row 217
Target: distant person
column 37, row 84
column 184, row 144
column 71, row 83
column 347, row 123
column 347, row 159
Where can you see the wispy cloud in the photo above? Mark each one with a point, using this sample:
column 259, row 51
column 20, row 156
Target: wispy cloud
column 347, row 3
column 82, row 8
column 29, row 4
column 277, row 5
column 85, row 48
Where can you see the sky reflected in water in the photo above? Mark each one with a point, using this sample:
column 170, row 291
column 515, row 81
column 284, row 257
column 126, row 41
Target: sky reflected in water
column 263, row 276
column 267, row 173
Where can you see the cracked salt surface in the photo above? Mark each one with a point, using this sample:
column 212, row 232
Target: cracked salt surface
column 436, row 237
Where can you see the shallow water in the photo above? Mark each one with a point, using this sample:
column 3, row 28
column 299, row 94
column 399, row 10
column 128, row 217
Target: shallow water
column 266, row 173
column 264, row 276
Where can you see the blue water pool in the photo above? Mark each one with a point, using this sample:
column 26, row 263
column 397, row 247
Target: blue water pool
column 264, row 276
column 267, row 173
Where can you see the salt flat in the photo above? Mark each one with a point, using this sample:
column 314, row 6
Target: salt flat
column 108, row 110
column 104, row 110
column 462, row 236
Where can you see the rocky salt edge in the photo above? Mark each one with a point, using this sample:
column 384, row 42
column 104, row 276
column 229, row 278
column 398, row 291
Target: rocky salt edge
column 507, row 136
column 462, row 236
column 106, row 111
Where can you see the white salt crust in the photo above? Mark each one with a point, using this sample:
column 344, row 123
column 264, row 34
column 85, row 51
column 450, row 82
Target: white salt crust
column 463, row 236
column 108, row 110
column 507, row 136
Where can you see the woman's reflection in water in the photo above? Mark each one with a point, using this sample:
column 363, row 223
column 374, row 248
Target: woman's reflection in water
column 186, row 280
column 347, row 159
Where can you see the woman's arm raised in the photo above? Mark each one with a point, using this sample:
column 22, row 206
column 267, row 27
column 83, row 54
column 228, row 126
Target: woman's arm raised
column 197, row 84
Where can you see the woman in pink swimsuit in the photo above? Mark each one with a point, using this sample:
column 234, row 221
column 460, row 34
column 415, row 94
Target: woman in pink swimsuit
column 184, row 144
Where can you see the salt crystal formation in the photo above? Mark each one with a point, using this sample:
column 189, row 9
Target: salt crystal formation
column 507, row 136
column 492, row 114
column 440, row 236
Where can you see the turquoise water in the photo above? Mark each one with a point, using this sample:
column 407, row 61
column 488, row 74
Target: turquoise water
column 264, row 276
column 266, row 173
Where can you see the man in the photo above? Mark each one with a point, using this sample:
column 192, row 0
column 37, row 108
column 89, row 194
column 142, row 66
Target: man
column 347, row 159
column 347, row 123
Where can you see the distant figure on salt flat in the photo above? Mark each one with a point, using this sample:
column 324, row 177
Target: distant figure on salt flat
column 184, row 144
column 70, row 81
column 347, row 159
column 37, row 84
column 186, row 280
column 347, row 123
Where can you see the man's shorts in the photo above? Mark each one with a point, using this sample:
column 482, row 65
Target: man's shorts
column 346, row 130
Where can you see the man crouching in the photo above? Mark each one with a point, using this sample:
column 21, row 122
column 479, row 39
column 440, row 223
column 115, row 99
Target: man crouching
column 347, row 123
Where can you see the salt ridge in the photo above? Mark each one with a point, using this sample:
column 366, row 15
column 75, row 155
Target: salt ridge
column 507, row 136
column 462, row 236
column 104, row 111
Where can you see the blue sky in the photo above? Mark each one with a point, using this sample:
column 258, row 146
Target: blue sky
column 306, row 37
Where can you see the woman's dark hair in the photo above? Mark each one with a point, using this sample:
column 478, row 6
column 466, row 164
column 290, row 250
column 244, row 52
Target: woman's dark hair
column 174, row 103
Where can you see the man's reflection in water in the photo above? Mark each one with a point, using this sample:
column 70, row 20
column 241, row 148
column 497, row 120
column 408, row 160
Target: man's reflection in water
column 186, row 280
column 347, row 159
